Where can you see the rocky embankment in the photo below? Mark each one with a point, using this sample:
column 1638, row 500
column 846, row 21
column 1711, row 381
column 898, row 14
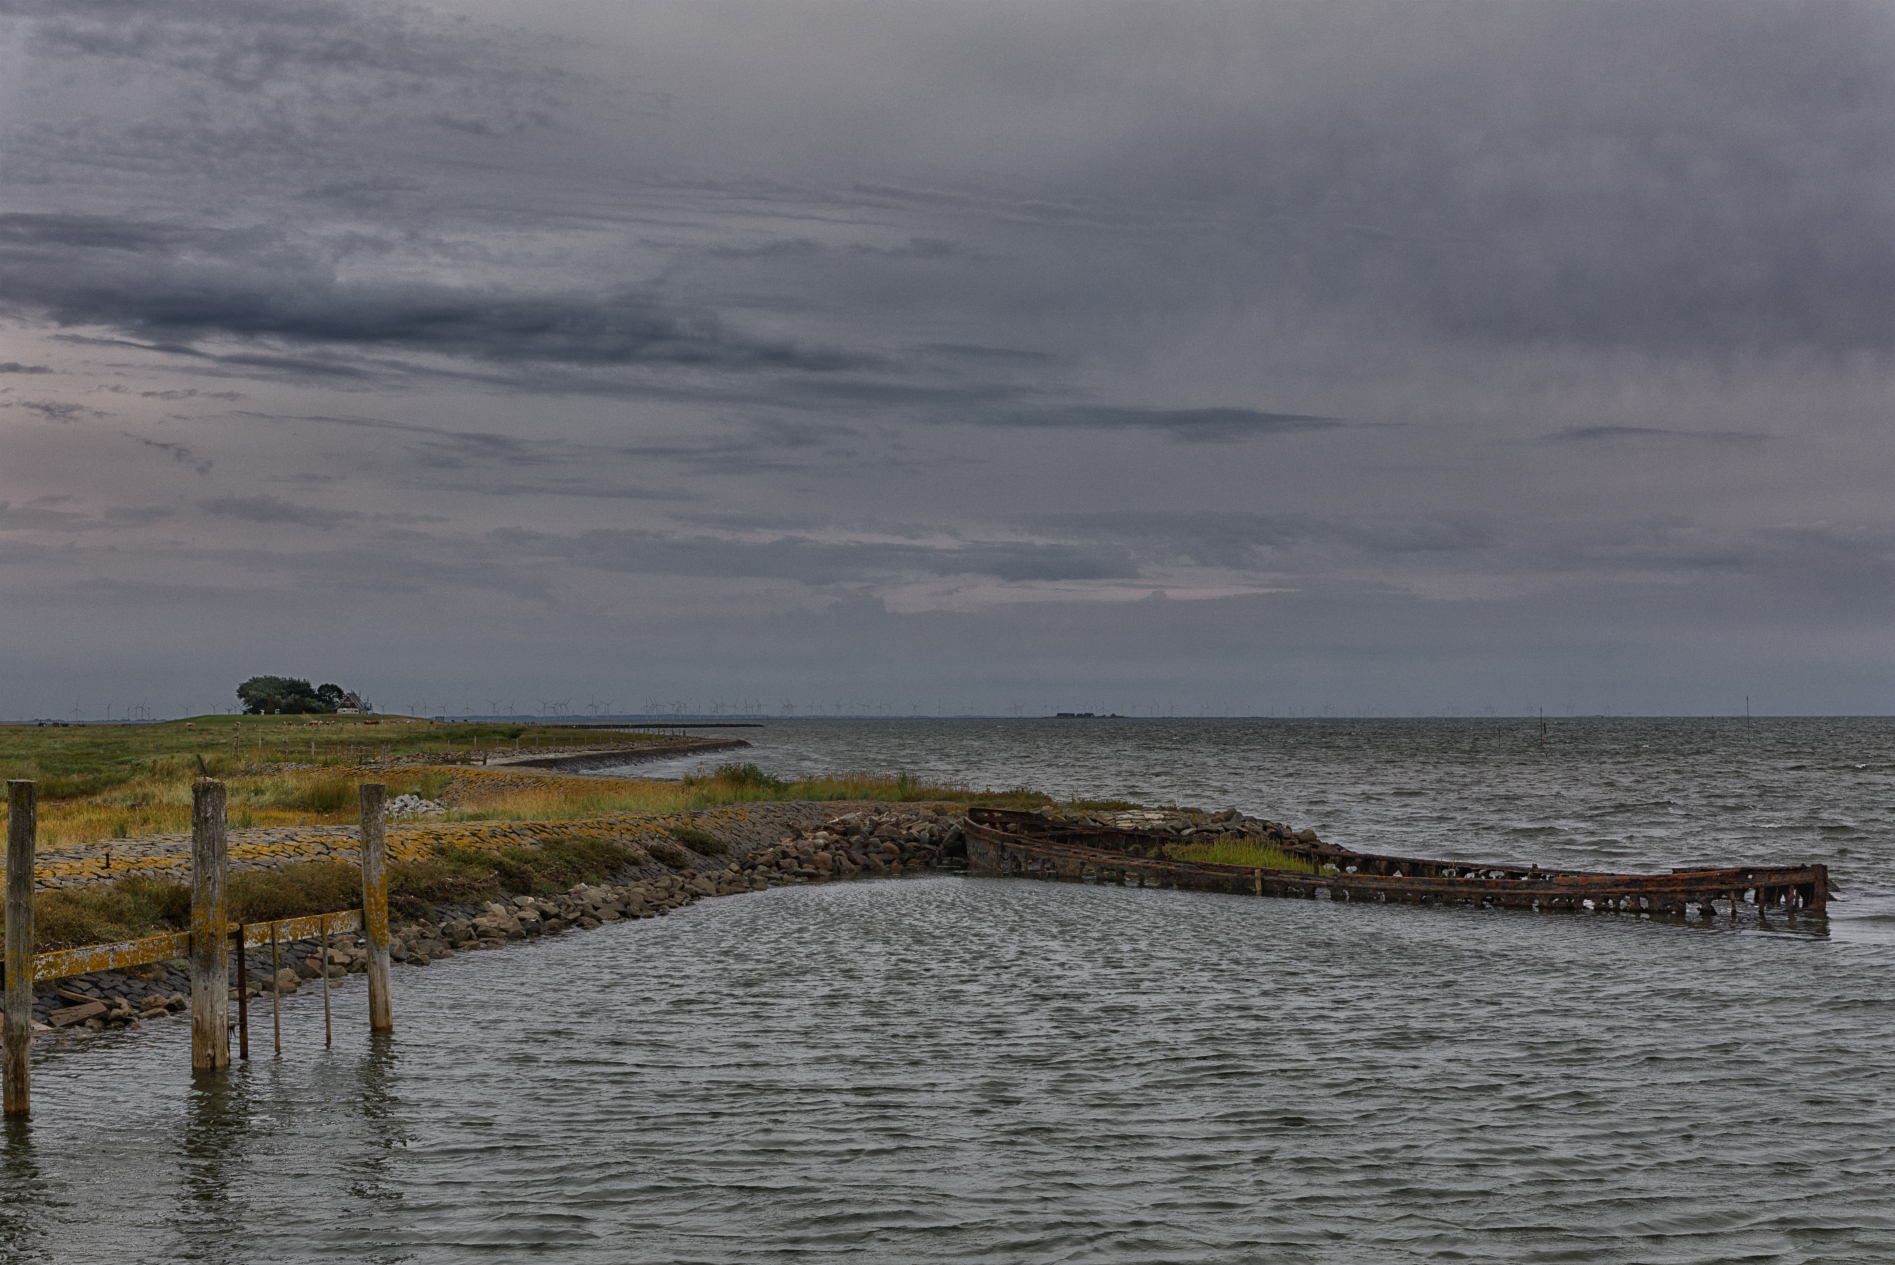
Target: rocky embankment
column 727, row 852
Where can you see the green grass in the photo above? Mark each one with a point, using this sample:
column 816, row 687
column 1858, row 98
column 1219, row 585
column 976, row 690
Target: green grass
column 702, row 842
column 115, row 782
column 128, row 909
column 1229, row 852
column 79, row 761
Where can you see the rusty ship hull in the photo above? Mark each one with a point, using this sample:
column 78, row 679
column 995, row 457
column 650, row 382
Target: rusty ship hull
column 1027, row 845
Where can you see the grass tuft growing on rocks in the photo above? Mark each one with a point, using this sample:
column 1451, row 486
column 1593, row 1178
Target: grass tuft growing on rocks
column 132, row 907
column 669, row 853
column 701, row 842
column 319, row 887
column 1258, row 855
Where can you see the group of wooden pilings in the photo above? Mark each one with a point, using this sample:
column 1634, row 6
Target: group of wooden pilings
column 208, row 940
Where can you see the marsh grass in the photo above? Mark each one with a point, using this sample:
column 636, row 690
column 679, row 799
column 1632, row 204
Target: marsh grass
column 702, row 842
column 558, row 799
column 158, row 801
column 96, row 779
column 99, row 783
column 132, row 907
column 1262, row 856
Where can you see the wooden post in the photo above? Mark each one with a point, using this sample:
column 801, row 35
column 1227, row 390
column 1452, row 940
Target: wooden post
column 381, row 1014
column 22, row 834
column 210, row 929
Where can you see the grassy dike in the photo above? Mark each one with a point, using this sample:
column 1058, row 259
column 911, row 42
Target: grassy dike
column 116, row 798
column 99, row 782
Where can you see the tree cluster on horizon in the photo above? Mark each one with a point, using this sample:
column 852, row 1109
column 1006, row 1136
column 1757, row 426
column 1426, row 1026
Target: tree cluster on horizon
column 290, row 696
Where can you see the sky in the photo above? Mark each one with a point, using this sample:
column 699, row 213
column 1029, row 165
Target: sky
column 1421, row 358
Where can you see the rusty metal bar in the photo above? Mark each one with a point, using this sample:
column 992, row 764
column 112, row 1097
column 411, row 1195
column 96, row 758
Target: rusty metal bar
column 16, row 1042
column 381, row 1013
column 276, row 990
column 243, row 998
column 210, row 945
column 328, row 1032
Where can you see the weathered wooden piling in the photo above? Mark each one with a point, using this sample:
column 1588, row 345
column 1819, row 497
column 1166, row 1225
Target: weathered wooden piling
column 210, row 929
column 22, row 834
column 381, row 1013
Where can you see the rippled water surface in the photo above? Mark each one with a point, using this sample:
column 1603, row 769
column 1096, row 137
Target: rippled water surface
column 992, row 1070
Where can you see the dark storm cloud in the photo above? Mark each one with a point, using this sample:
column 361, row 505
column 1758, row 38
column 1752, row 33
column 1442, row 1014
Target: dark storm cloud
column 819, row 562
column 138, row 516
column 1606, row 434
column 1396, row 306
column 177, row 452
column 172, row 284
column 1194, row 425
column 271, row 509
column 1272, row 543
column 55, row 410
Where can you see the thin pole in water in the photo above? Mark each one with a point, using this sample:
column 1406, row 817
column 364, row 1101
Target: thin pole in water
column 276, row 992
column 243, row 997
column 328, row 1033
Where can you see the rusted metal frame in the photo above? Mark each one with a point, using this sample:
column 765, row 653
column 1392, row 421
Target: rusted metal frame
column 1663, row 893
column 1031, row 829
column 1693, row 883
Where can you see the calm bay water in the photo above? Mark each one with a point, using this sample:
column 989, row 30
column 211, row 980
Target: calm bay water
column 983, row 1070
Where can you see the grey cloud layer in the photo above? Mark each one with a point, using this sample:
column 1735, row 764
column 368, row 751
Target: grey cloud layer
column 1409, row 308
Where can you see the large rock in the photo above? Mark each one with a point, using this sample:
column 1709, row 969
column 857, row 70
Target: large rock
column 288, row 981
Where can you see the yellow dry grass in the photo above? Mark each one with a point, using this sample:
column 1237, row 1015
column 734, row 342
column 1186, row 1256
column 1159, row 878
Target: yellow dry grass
column 159, row 801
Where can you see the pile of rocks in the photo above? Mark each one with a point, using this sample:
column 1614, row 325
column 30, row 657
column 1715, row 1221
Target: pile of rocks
column 110, row 999
column 86, row 1011
column 854, row 845
column 583, row 907
column 411, row 805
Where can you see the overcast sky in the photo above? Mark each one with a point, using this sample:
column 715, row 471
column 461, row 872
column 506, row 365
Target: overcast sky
column 1410, row 358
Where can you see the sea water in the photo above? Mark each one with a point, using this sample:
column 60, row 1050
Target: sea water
column 955, row 1069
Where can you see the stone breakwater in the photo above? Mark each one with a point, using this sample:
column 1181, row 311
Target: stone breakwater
column 762, row 845
column 746, row 848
